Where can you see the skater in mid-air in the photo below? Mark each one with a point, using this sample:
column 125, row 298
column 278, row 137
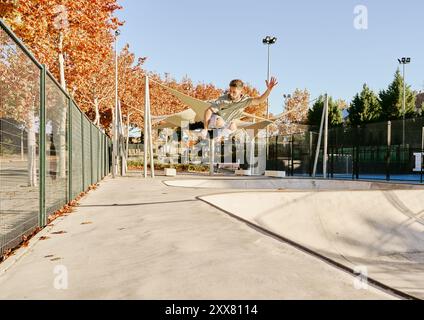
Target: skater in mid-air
column 229, row 107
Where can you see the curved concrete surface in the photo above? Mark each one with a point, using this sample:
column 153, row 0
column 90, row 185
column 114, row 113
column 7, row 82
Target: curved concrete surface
column 290, row 183
column 380, row 230
column 144, row 240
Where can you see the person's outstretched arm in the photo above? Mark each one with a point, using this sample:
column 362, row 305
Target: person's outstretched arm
column 270, row 85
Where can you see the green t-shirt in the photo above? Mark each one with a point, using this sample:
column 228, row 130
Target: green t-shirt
column 228, row 109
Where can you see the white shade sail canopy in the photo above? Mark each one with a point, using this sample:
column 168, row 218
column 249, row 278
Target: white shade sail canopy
column 197, row 111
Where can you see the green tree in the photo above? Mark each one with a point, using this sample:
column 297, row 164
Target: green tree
column 392, row 100
column 334, row 112
column 419, row 103
column 365, row 107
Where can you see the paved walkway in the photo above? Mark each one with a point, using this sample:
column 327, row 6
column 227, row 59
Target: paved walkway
column 140, row 239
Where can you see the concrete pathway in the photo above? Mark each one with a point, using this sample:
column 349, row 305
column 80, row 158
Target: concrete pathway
column 140, row 239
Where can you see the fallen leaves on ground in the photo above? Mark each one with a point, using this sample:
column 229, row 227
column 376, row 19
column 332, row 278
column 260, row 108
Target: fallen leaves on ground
column 25, row 241
column 66, row 210
column 93, row 186
column 59, row 232
column 7, row 254
column 56, row 259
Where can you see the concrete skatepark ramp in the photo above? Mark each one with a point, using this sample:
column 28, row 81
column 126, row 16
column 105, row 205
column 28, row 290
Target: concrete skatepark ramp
column 377, row 232
column 288, row 183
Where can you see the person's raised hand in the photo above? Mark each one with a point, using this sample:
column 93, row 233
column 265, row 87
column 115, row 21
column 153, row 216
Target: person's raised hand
column 271, row 83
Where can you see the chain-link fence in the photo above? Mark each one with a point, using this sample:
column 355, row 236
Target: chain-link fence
column 373, row 151
column 49, row 150
column 391, row 150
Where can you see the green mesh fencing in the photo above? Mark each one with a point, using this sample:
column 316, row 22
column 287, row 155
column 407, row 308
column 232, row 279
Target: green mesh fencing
column 56, row 147
column 382, row 150
column 93, row 154
column 292, row 153
column 77, row 159
column 103, row 153
column 99, row 155
column 108, row 156
column 19, row 142
column 87, row 152
column 46, row 144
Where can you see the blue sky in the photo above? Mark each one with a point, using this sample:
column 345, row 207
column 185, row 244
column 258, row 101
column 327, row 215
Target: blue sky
column 318, row 46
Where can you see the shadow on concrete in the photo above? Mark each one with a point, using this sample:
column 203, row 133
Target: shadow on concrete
column 135, row 204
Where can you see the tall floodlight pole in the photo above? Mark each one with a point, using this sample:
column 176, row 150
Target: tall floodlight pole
column 404, row 61
column 268, row 40
column 115, row 113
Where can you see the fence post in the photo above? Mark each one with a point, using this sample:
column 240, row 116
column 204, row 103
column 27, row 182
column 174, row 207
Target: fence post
column 102, row 153
column 389, row 147
column 106, row 155
column 275, row 157
column 99, row 152
column 42, row 149
column 211, row 155
column 357, row 152
column 109, row 160
column 70, row 177
column 82, row 153
column 96, row 136
column 353, row 161
column 91, row 153
column 357, row 161
column 310, row 153
column 292, row 155
column 422, row 154
column 106, row 151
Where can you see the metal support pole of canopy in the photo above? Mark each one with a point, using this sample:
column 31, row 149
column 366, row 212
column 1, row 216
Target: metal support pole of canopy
column 323, row 118
column 211, row 156
column 148, row 144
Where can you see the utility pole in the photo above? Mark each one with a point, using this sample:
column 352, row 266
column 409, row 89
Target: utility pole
column 404, row 61
column 268, row 40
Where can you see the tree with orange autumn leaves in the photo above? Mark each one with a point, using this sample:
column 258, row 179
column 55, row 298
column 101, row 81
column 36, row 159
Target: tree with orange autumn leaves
column 295, row 115
column 74, row 39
